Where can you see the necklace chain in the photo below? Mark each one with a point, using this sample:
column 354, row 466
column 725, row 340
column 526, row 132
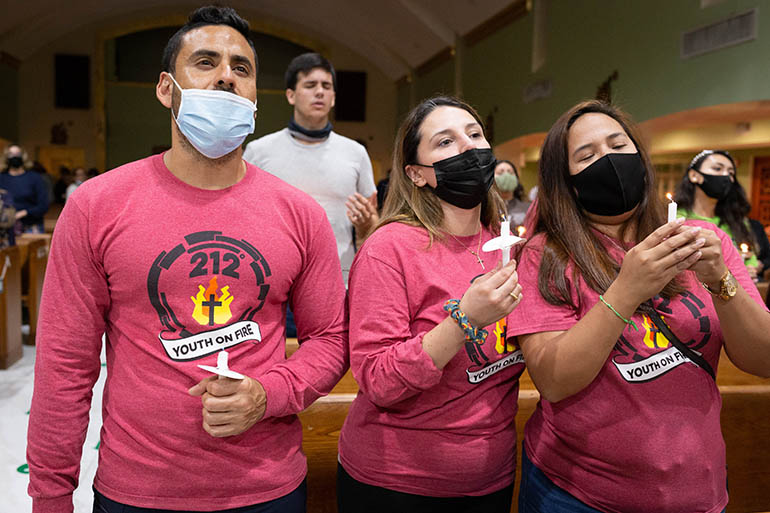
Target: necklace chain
column 469, row 250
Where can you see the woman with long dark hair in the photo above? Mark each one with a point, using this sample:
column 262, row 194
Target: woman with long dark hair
column 621, row 324
column 432, row 428
column 710, row 191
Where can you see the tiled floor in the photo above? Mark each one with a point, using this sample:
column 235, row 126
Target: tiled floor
column 15, row 396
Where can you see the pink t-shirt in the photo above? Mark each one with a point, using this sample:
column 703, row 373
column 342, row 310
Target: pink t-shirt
column 172, row 274
column 414, row 428
column 645, row 434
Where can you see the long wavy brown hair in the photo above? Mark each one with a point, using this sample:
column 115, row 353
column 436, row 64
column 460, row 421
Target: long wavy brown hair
column 419, row 206
column 569, row 235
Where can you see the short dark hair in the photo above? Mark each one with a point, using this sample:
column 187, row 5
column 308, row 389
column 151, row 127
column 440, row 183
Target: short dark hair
column 305, row 63
column 208, row 15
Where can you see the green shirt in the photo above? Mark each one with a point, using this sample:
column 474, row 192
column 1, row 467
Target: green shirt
column 750, row 262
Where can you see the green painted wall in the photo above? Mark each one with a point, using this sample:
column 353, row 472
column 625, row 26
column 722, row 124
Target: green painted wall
column 587, row 40
column 439, row 80
column 9, row 102
column 403, row 103
column 495, row 71
column 137, row 122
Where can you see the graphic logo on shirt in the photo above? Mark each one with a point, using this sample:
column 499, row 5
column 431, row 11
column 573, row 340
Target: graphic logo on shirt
column 483, row 368
column 210, row 308
column 643, row 366
column 206, row 291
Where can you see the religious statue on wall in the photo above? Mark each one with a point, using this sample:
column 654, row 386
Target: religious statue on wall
column 604, row 91
column 59, row 133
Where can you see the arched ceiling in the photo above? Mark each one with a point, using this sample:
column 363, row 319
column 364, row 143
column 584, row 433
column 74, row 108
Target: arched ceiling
column 394, row 35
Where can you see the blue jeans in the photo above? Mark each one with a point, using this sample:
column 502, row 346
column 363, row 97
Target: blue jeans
column 294, row 502
column 291, row 327
column 538, row 494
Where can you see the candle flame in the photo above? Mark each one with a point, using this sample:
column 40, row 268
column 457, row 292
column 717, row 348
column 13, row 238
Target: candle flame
column 521, row 230
column 744, row 248
column 669, row 196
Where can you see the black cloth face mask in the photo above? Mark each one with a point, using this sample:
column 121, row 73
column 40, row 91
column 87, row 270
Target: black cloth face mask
column 715, row 186
column 612, row 185
column 15, row 162
column 465, row 179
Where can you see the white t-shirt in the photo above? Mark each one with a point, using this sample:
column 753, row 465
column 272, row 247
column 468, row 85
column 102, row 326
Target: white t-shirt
column 329, row 171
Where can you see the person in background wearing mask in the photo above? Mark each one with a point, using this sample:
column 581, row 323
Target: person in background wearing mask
column 27, row 190
column 512, row 192
column 226, row 245
column 622, row 322
column 80, row 177
column 432, row 428
column 7, row 220
column 709, row 191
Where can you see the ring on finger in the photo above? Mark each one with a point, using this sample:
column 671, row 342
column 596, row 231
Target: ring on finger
column 514, row 296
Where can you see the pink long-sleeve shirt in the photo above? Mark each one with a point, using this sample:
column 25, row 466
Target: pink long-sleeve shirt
column 413, row 427
column 173, row 274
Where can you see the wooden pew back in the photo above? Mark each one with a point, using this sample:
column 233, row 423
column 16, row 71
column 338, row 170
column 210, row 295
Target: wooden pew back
column 34, row 250
column 745, row 426
column 10, row 307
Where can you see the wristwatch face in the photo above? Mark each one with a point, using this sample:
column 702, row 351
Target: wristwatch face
column 729, row 287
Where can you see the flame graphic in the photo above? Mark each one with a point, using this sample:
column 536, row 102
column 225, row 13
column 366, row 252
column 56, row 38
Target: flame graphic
column 653, row 338
column 211, row 309
column 501, row 345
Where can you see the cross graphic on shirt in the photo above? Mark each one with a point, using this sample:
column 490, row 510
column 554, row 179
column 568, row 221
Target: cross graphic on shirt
column 653, row 333
column 211, row 304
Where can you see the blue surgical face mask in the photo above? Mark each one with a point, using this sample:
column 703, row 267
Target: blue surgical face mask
column 215, row 122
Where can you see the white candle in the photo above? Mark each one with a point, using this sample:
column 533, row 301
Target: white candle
column 222, row 360
column 745, row 251
column 671, row 208
column 222, row 369
column 503, row 243
column 505, row 231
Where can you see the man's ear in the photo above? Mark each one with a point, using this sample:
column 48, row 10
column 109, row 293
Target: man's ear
column 164, row 91
column 415, row 174
column 290, row 93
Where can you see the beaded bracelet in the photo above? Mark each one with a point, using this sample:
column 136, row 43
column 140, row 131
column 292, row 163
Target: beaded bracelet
column 627, row 321
column 472, row 334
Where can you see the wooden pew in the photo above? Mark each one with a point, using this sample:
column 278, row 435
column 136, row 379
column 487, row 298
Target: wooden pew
column 746, row 430
column 745, row 425
column 10, row 307
column 34, row 258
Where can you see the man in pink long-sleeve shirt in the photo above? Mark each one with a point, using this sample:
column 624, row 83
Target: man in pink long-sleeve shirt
column 205, row 255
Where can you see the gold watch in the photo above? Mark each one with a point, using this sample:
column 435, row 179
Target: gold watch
column 728, row 287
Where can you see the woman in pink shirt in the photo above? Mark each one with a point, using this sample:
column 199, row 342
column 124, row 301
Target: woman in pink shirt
column 432, row 428
column 622, row 322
